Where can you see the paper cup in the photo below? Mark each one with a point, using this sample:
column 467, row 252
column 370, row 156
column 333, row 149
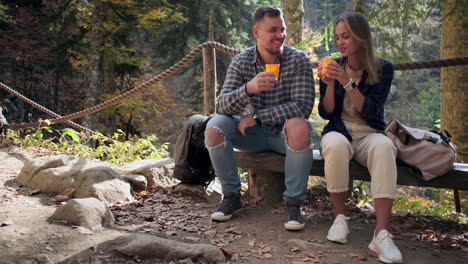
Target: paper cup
column 273, row 68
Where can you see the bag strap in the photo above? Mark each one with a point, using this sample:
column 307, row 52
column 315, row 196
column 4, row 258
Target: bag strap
column 202, row 126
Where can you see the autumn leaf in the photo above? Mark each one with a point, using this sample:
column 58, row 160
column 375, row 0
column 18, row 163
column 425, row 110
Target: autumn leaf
column 294, row 249
column 358, row 256
column 252, row 243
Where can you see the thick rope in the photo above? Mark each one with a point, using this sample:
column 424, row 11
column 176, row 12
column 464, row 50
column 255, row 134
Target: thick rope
column 43, row 109
column 431, row 64
column 162, row 76
column 184, row 61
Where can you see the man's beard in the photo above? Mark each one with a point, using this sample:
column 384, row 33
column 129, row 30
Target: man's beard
column 274, row 51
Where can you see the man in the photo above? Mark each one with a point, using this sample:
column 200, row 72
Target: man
column 257, row 112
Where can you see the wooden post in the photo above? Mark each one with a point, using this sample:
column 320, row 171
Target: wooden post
column 456, row 197
column 209, row 80
column 267, row 186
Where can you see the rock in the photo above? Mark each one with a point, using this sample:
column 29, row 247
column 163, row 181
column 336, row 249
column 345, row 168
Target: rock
column 104, row 184
column 31, row 167
column 157, row 172
column 138, row 182
column 88, row 212
column 25, row 259
column 147, row 246
column 139, row 165
column 89, row 178
column 198, row 191
column 306, row 245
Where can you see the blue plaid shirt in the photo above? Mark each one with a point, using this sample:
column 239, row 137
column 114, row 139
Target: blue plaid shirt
column 373, row 109
column 293, row 96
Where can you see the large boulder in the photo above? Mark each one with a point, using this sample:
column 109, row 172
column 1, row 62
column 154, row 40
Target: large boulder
column 157, row 172
column 88, row 212
column 89, row 178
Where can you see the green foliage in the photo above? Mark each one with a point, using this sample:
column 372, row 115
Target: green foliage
column 429, row 105
column 70, row 141
column 436, row 124
column 416, row 200
column 3, row 13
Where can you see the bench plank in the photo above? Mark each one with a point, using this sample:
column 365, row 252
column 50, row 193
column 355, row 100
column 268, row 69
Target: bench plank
column 457, row 178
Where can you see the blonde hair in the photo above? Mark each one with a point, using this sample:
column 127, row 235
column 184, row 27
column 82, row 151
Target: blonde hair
column 360, row 30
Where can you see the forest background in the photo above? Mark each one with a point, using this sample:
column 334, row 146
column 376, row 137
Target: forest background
column 69, row 55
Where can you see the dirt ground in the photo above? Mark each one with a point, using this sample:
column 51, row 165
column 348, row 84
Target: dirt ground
column 255, row 235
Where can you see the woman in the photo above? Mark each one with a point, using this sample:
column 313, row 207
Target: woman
column 353, row 91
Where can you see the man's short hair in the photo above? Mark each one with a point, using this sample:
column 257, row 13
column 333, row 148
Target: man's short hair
column 266, row 11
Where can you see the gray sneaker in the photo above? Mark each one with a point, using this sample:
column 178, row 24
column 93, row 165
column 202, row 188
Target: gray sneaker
column 230, row 204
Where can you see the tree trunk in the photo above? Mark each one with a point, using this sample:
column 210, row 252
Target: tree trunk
column 294, row 16
column 95, row 63
column 454, row 80
column 454, row 98
column 108, row 122
column 357, row 7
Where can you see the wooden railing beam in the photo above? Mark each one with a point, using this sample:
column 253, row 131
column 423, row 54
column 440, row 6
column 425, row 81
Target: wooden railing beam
column 209, row 81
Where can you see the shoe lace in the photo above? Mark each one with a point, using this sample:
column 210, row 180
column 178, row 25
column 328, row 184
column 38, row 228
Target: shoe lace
column 387, row 241
column 227, row 205
column 294, row 213
column 342, row 220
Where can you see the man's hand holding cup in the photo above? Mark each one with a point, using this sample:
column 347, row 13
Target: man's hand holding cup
column 264, row 81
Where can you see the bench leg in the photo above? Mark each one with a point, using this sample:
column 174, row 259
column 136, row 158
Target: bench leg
column 266, row 186
column 456, row 197
column 350, row 188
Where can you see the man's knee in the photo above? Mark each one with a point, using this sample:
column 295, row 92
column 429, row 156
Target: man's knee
column 298, row 131
column 214, row 137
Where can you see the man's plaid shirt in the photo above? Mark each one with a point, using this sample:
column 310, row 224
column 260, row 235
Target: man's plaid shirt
column 293, row 96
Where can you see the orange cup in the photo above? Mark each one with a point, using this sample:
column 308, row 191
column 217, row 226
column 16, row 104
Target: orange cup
column 273, row 68
column 324, row 62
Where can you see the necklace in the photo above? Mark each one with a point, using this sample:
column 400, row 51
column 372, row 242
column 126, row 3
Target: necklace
column 353, row 74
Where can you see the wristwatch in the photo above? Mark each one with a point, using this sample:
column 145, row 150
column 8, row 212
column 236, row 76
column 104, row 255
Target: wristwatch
column 255, row 117
column 350, row 86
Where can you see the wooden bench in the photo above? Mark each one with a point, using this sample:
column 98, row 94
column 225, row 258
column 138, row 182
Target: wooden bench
column 266, row 174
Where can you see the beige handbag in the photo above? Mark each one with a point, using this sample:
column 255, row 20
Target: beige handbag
column 430, row 152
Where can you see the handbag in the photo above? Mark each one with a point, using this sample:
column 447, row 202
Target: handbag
column 429, row 152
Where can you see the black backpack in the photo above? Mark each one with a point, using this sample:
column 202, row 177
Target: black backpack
column 191, row 158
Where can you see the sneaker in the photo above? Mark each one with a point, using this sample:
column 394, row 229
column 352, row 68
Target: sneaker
column 230, row 204
column 339, row 230
column 295, row 220
column 383, row 245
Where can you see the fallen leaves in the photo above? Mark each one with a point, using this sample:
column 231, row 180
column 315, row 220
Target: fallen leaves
column 65, row 195
column 443, row 241
column 358, row 256
column 34, row 192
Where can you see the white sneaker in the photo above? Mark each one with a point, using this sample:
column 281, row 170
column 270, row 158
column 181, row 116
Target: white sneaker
column 383, row 245
column 339, row 231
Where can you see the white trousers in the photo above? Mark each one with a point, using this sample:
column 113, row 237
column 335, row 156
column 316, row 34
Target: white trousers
column 375, row 151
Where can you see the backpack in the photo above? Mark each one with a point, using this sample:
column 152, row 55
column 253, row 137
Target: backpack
column 191, row 159
column 430, row 153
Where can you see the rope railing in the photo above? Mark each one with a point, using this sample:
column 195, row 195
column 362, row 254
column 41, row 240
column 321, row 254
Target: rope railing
column 43, row 109
column 431, row 64
column 120, row 98
column 181, row 63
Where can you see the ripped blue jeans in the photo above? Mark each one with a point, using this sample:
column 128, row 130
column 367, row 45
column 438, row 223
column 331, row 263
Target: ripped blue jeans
column 258, row 138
